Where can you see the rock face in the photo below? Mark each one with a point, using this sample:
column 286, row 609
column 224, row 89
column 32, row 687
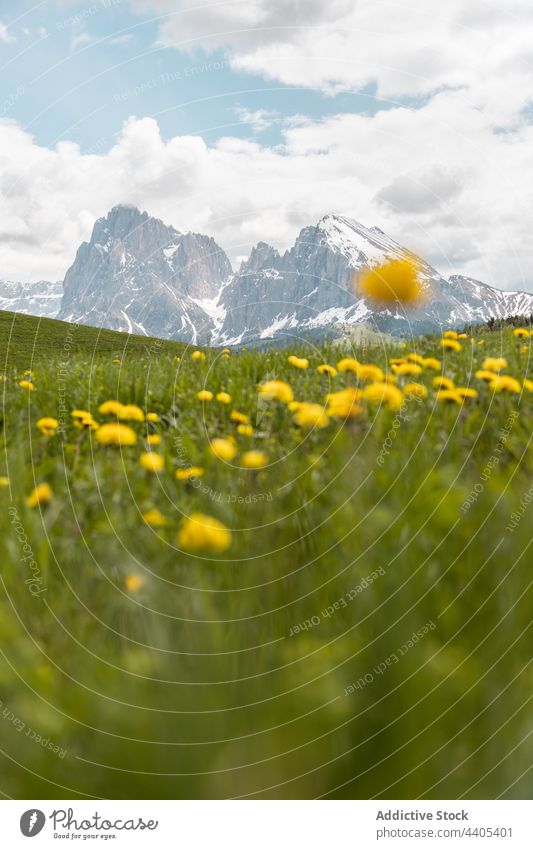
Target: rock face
column 42, row 298
column 139, row 275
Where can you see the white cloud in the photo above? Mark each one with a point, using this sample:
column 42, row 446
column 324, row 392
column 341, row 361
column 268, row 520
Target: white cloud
column 5, row 35
column 438, row 179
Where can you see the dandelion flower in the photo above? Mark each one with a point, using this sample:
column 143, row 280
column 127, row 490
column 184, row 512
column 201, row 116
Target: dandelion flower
column 416, row 390
column 226, row 351
column 449, row 395
column 4, row 481
column 495, row 364
column 528, row 384
column 348, row 364
column 223, row 397
column 133, row 583
column 152, row 462
column 483, row 374
column 202, row 533
column 204, row 395
column 254, row 459
column 48, row 426
column 153, row 439
column 384, row 393
column 241, row 418
column 130, row 412
column 331, row 371
column 27, row 384
column 276, row 390
column 451, row 344
column 462, row 335
column 189, row 473
column 311, row 415
column 245, row 430
column 466, row 392
column 432, row 363
column 395, row 281
column 81, row 414
column 42, row 494
column 442, row 382
column 503, row 383
column 521, row 333
column 152, row 417
column 154, row 518
column 298, row 362
column 409, row 369
column 343, row 404
column 198, row 356
column 108, row 408
column 370, row 373
column 450, row 334
column 223, row 449
column 416, row 358
column 116, row 434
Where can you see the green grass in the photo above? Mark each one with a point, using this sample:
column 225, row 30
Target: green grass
column 192, row 686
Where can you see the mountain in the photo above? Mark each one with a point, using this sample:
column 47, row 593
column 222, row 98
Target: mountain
column 41, row 299
column 139, row 275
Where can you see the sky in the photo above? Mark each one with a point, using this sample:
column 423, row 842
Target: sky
column 250, row 119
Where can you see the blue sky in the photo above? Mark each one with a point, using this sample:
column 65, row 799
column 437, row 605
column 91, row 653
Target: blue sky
column 250, row 119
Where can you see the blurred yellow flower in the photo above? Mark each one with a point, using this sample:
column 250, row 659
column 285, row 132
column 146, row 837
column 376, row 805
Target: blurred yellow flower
column 42, row 494
column 223, row 449
column 503, row 383
column 153, row 439
column 109, row 408
column 521, row 333
column 449, row 395
column 152, row 462
column 389, row 378
column 130, row 412
column 298, row 362
column 369, row 372
column 245, row 430
column 154, row 518
column 442, row 382
column 311, row 415
column 223, row 397
column 407, row 369
column 483, row 374
column 204, row 395
column 466, row 392
column 528, row 384
column 133, row 583
column 481, row 342
column 48, row 426
column 432, row 363
column 254, row 459
column 451, row 344
column 495, row 364
column 343, row 404
column 116, row 434
column 416, row 390
column 276, row 390
column 198, row 356
column 462, row 335
column 152, row 417
column 331, row 371
column 4, row 481
column 189, row 473
column 384, row 393
column 416, row 358
column 450, row 334
column 241, row 418
column 348, row 364
column 202, row 533
column 396, row 280
column 27, row 384
column 226, row 351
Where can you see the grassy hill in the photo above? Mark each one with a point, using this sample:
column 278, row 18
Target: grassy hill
column 348, row 616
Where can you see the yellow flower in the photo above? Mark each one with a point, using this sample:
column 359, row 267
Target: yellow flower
column 204, row 395
column 331, row 371
column 442, row 383
column 4, row 481
column 133, row 583
column 276, row 390
column 311, row 415
column 520, row 332
column 152, row 417
column 298, row 362
column 116, row 434
column 407, row 369
column 254, row 459
column 466, row 392
column 224, row 398
column 198, row 356
column 348, row 364
column 245, row 430
column 86, row 423
column 395, row 280
column 342, row 404
column 28, row 373
column 451, row 344
column 481, row 342
column 524, row 349
column 449, row 395
column 153, row 439
column 462, row 336
column 503, row 383
column 130, row 412
column 528, row 384
column 241, row 418
column 117, row 362
column 27, row 384
column 494, row 364
column 431, row 362
column 226, row 351
column 223, row 449
column 200, row 533
column 390, row 378
column 483, row 374
column 384, row 393
column 79, row 415
column 189, row 473
column 154, row 518
column 42, row 494
column 152, row 462
column 48, row 426
column 369, row 372
column 416, row 358
column 416, row 390
column 450, row 334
